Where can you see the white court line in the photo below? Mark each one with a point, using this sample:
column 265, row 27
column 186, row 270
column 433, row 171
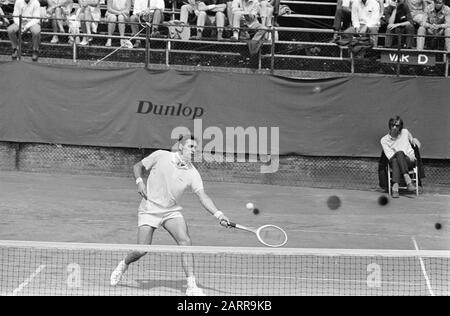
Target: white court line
column 273, row 277
column 27, row 281
column 425, row 274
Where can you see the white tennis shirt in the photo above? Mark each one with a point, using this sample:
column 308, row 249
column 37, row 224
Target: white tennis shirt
column 167, row 182
column 401, row 143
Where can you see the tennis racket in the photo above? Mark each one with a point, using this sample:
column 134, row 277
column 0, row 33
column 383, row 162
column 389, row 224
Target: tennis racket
column 268, row 235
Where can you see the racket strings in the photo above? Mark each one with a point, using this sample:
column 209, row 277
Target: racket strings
column 272, row 235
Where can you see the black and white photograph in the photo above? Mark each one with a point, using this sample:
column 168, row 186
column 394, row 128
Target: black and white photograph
column 235, row 151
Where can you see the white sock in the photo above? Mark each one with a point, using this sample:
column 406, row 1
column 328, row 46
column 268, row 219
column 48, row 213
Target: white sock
column 191, row 282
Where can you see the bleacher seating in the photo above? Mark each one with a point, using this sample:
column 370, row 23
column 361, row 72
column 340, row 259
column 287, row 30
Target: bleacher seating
column 303, row 43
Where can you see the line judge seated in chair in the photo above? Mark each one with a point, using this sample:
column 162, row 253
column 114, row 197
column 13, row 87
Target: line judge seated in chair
column 398, row 147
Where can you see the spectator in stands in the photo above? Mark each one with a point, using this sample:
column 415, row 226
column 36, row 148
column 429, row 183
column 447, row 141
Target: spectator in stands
column 118, row 11
column 342, row 17
column 59, row 10
column 417, row 8
column 366, row 19
column 245, row 13
column 436, row 22
column 230, row 12
column 3, row 20
column 26, row 8
column 266, row 12
column 189, row 11
column 90, row 15
column 398, row 20
column 211, row 13
column 397, row 146
column 74, row 23
column 149, row 10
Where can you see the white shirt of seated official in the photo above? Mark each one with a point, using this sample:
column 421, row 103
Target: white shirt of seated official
column 402, row 142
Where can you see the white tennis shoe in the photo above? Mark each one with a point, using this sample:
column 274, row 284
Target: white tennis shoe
column 194, row 291
column 118, row 272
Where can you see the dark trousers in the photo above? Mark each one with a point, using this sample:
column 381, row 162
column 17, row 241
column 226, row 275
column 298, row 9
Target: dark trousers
column 342, row 17
column 400, row 164
column 409, row 30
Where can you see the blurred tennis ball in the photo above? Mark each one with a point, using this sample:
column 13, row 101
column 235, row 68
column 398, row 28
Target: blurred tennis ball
column 333, row 202
column 383, row 200
column 438, row 226
column 250, row 206
column 256, row 211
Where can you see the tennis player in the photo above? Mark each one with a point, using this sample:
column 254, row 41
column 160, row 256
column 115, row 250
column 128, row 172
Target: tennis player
column 171, row 173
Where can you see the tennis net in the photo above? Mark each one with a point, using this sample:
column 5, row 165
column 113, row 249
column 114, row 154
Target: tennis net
column 47, row 268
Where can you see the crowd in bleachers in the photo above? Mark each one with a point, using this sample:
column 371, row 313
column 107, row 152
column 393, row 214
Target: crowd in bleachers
column 80, row 19
column 411, row 18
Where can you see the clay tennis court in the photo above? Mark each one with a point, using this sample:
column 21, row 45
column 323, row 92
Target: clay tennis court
column 97, row 209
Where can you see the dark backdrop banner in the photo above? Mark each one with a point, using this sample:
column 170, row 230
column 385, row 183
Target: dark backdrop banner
column 140, row 108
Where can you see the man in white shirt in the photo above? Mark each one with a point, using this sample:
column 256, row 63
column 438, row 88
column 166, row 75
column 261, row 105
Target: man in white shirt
column 397, row 146
column 149, row 10
column 366, row 15
column 30, row 10
column 171, row 173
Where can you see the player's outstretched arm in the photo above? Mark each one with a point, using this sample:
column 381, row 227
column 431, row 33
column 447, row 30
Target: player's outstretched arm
column 209, row 205
column 137, row 170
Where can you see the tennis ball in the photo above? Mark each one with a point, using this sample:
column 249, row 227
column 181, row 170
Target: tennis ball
column 317, row 89
column 334, row 202
column 250, row 206
column 255, row 211
column 383, row 200
column 438, row 226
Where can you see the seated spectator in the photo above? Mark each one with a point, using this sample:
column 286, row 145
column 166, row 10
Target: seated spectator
column 59, row 11
column 398, row 20
column 417, row 8
column 118, row 11
column 152, row 10
column 74, row 23
column 230, row 12
column 245, row 14
column 342, row 17
column 397, row 146
column 266, row 12
column 211, row 13
column 436, row 22
column 26, row 8
column 90, row 16
column 189, row 11
column 366, row 19
column 3, row 20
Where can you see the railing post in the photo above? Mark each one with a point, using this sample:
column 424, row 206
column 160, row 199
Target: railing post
column 272, row 51
column 168, row 51
column 352, row 62
column 74, row 49
column 399, row 51
column 19, row 49
column 147, row 46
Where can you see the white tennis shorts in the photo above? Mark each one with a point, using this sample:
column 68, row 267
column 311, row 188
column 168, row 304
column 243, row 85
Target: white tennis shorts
column 156, row 219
